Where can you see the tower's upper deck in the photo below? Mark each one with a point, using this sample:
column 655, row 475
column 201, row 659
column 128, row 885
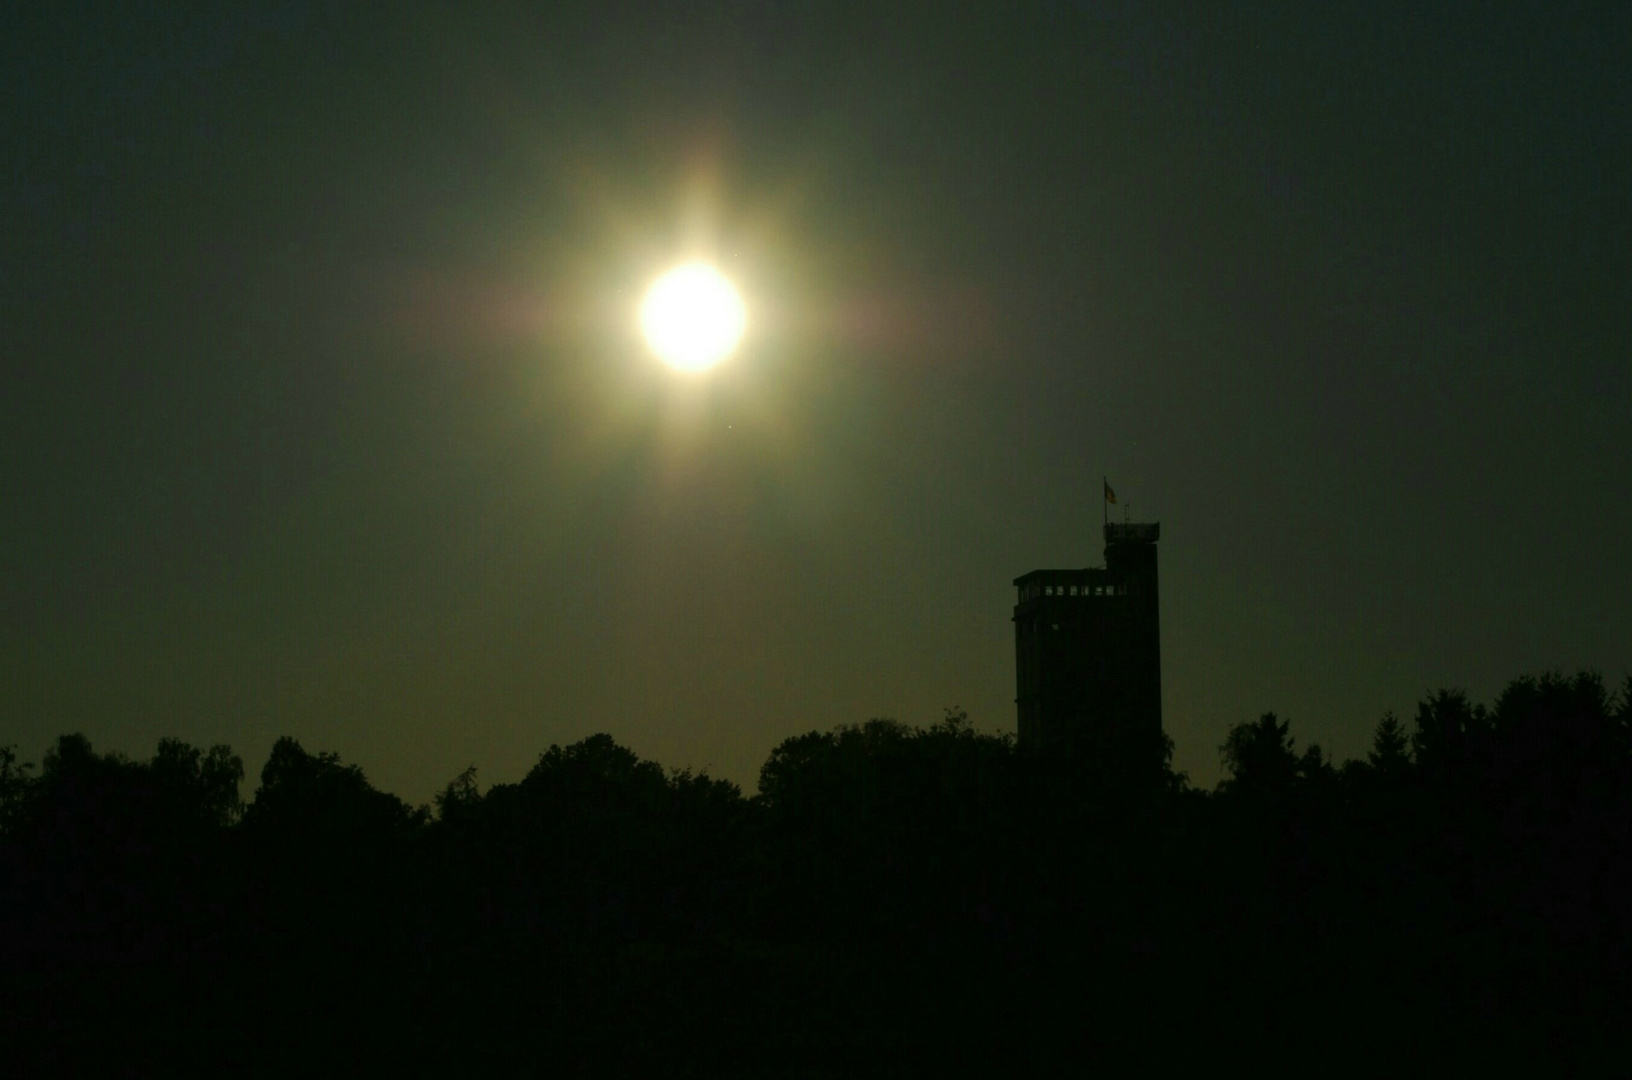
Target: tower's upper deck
column 1082, row 584
column 1147, row 532
column 1112, row 580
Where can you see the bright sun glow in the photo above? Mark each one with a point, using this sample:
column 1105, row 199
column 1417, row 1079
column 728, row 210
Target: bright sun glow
column 692, row 317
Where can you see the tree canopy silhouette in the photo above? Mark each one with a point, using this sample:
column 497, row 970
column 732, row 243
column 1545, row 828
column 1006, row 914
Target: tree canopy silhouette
column 891, row 894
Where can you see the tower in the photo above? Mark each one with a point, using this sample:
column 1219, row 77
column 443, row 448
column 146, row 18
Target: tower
column 1088, row 656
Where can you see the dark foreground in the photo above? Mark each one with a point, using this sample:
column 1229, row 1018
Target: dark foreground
column 894, row 903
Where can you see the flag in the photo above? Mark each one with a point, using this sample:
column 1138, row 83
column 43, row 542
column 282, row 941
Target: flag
column 1110, row 496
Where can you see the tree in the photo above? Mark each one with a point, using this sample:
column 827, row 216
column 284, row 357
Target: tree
column 456, row 801
column 1390, row 755
column 1561, row 735
column 1450, row 736
column 318, row 795
column 596, row 763
column 1259, row 756
column 15, row 787
column 97, row 800
column 1314, row 766
column 179, row 792
column 200, row 786
column 71, row 754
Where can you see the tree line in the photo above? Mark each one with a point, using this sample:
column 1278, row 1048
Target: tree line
column 893, row 901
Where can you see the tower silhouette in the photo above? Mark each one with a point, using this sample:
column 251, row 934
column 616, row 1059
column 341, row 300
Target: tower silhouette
column 1088, row 656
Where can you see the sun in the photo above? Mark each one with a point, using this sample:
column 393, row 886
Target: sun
column 693, row 317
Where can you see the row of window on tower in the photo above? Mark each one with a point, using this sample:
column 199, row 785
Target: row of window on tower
column 1034, row 590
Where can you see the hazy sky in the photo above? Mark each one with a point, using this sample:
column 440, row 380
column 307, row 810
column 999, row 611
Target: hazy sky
column 324, row 414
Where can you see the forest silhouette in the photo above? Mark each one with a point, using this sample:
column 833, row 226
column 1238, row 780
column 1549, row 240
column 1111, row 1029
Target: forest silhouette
column 893, row 901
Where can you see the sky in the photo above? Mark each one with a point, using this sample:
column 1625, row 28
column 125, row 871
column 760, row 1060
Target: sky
column 324, row 412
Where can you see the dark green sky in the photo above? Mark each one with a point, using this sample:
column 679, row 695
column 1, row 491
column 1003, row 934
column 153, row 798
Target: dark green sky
column 322, row 412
